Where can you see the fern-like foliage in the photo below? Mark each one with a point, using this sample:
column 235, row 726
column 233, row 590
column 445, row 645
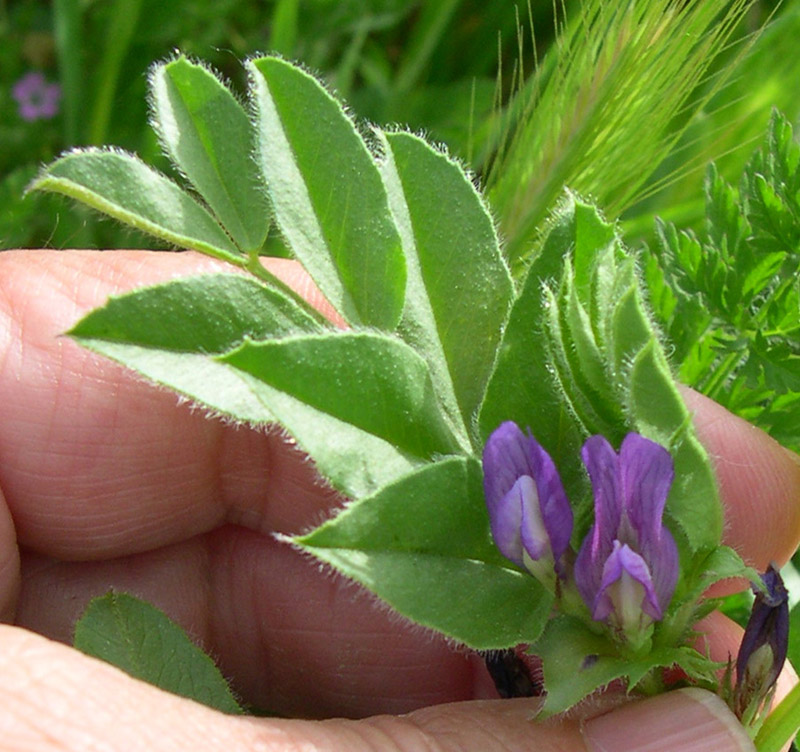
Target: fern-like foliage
column 730, row 300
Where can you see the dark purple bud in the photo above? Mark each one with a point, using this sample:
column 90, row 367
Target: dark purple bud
column 627, row 567
column 530, row 515
column 764, row 645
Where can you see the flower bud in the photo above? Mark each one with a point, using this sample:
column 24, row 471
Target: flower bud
column 530, row 515
column 764, row 646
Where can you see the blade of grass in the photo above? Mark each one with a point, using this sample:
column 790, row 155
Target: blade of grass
column 781, row 725
column 603, row 117
column 346, row 70
column 118, row 37
column 427, row 34
column 68, row 32
column 283, row 34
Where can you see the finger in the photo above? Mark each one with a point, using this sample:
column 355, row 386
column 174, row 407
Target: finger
column 282, row 608
column 148, row 458
column 56, row 699
column 135, row 493
column 295, row 640
column 97, row 463
column 759, row 483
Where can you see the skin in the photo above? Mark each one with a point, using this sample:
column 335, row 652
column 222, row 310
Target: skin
column 107, row 481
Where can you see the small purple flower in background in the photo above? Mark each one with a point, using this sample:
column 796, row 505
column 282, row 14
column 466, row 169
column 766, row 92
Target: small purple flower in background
column 37, row 99
column 627, row 567
column 530, row 515
column 764, row 647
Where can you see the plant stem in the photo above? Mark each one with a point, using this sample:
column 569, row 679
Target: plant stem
column 256, row 268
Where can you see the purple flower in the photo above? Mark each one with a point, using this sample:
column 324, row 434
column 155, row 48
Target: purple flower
column 530, row 515
column 627, row 567
column 764, row 645
column 37, row 99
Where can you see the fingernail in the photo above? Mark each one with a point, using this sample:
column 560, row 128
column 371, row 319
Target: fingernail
column 686, row 720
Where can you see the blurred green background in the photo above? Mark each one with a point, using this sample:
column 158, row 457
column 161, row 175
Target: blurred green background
column 431, row 65
column 447, row 67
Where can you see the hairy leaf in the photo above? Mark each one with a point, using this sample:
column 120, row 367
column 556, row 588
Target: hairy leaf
column 459, row 288
column 577, row 661
column 142, row 641
column 208, row 315
column 373, row 382
column 423, row 545
column 210, row 139
column 581, row 356
column 120, row 185
column 327, row 194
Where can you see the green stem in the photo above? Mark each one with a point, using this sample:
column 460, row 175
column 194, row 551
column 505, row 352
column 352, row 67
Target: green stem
column 67, row 30
column 256, row 268
column 283, row 35
column 781, row 725
column 118, row 37
column 427, row 34
column 721, row 373
column 345, row 73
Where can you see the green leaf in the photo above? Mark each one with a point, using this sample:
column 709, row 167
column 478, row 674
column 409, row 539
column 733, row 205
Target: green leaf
column 214, row 314
column 781, row 725
column 523, row 386
column 423, row 545
column 370, row 381
column 210, row 139
column 327, row 194
column 577, row 661
column 139, row 639
column 120, row 185
column 208, row 315
column 459, row 288
column 723, row 563
column 658, row 412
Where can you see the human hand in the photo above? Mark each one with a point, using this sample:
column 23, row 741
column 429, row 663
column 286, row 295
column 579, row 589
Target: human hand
column 106, row 482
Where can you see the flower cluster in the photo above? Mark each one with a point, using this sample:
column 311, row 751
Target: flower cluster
column 626, row 568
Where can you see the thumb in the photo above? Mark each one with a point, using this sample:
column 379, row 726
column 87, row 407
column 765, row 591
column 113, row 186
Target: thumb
column 686, row 720
column 54, row 698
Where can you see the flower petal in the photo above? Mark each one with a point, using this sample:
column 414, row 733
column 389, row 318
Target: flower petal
column 768, row 624
column 505, row 459
column 556, row 511
column 588, row 570
column 505, row 518
column 626, row 589
column 539, row 508
column 533, row 532
column 602, row 464
column 646, row 470
column 664, row 563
